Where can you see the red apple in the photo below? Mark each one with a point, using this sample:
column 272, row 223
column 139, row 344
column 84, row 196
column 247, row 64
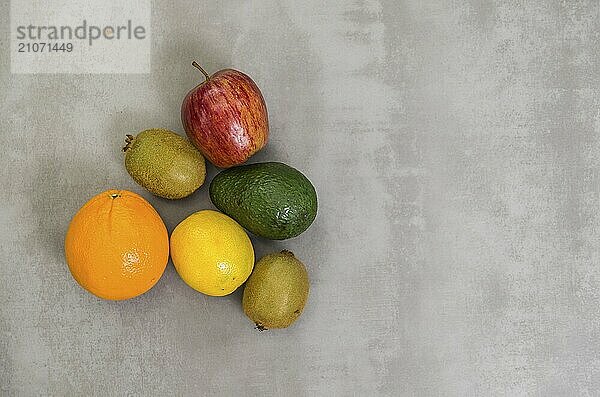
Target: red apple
column 225, row 117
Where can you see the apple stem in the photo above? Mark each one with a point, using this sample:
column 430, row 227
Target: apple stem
column 195, row 64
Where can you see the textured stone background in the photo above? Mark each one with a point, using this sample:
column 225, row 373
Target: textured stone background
column 455, row 149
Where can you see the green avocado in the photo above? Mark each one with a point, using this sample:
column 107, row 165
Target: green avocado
column 271, row 200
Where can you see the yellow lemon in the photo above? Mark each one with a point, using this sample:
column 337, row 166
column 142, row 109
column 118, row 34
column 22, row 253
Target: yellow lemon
column 212, row 253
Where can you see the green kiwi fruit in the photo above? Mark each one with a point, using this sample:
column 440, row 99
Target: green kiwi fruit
column 164, row 163
column 276, row 292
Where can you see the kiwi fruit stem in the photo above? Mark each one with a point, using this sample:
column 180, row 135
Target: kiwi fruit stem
column 288, row 253
column 128, row 141
column 260, row 327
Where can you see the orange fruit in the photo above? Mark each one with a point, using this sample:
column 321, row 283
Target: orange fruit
column 117, row 246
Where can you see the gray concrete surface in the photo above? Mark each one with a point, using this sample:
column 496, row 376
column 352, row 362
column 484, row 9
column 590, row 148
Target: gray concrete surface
column 455, row 149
